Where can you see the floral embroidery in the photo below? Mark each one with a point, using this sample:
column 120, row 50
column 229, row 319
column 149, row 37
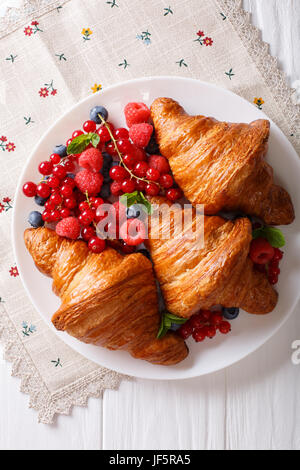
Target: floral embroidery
column 124, row 64
column 259, row 102
column 168, row 11
column 96, row 88
column 28, row 330
column 9, row 146
column 61, row 56
column 112, row 3
column 86, row 33
column 57, row 363
column 182, row 63
column 223, row 16
column 44, row 91
column 145, row 37
column 203, row 40
column 14, row 271
column 28, row 120
column 230, row 74
column 5, row 205
column 11, row 58
column 28, row 31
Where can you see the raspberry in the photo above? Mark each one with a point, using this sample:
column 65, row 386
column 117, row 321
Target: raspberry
column 140, row 134
column 91, row 159
column 69, row 228
column 159, row 163
column 90, row 182
column 136, row 113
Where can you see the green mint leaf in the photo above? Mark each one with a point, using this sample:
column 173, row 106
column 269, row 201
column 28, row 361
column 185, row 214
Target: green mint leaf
column 136, row 198
column 95, row 140
column 167, row 319
column 274, row 236
column 79, row 144
column 175, row 319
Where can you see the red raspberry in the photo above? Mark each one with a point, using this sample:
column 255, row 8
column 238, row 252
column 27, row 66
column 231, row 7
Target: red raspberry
column 140, row 134
column 91, row 159
column 90, row 182
column 159, row 163
column 69, row 228
column 261, row 252
column 136, row 113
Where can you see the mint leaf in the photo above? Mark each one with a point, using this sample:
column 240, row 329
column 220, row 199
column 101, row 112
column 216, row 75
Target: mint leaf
column 274, row 236
column 136, row 197
column 80, row 143
column 167, row 319
column 95, row 140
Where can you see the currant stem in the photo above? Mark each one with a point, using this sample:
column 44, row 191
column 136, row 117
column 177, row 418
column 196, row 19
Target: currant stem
column 121, row 157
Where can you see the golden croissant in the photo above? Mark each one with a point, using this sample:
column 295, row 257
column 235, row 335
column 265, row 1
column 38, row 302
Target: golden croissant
column 195, row 275
column 220, row 164
column 107, row 299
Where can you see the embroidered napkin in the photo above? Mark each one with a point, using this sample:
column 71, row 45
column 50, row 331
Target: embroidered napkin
column 54, row 53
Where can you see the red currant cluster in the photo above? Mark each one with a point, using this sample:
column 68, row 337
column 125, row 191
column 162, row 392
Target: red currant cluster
column 204, row 324
column 266, row 259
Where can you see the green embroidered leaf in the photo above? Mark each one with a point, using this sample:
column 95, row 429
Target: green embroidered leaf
column 167, row 319
column 136, row 197
column 80, row 143
column 274, row 236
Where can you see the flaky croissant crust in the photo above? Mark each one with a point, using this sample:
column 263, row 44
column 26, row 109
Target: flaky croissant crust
column 107, row 299
column 221, row 164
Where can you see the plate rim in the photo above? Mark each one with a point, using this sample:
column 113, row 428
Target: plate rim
column 110, row 88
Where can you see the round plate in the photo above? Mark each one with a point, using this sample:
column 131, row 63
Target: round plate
column 249, row 332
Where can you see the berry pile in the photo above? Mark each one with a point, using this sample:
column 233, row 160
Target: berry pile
column 266, row 259
column 206, row 324
column 98, row 163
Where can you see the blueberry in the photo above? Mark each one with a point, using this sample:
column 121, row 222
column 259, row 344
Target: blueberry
column 98, row 110
column 61, row 150
column 105, row 173
column 144, row 252
column 105, row 191
column 40, row 201
column 152, row 148
column 107, row 160
column 175, row 327
column 135, row 211
column 231, row 313
column 35, row 219
column 71, row 175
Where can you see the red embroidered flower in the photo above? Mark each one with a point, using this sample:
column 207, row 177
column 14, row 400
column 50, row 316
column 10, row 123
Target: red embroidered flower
column 34, row 23
column 208, row 41
column 1, row 207
column 6, row 199
column 3, row 138
column 54, row 92
column 43, row 92
column 10, row 147
column 200, row 34
column 14, row 271
column 28, row 31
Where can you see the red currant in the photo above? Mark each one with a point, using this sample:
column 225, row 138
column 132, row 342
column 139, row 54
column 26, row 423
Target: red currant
column 70, row 202
column 45, row 168
column 104, row 135
column 43, row 190
column 66, row 190
column 68, row 181
column 140, row 154
column 196, row 321
column 69, row 141
column 216, row 319
column 199, row 335
column 118, row 173
column 69, row 166
column 174, row 194
column 153, row 174
column 121, row 133
column 129, row 160
column 86, row 217
column 185, row 331
column 124, row 146
column 76, row 134
column 60, row 172
column 111, row 149
column 89, row 126
column 127, row 249
column 206, row 315
column 96, row 202
column 55, row 216
column 46, row 216
column 273, row 279
column 133, row 232
column 140, row 185
column 55, row 158
column 225, row 327
column 140, row 169
column 128, row 186
column 211, row 332
column 53, row 182
column 84, row 206
column 152, row 189
column 278, row 255
column 87, row 233
column 166, row 181
column 96, row 245
column 261, row 252
column 49, row 206
column 29, row 189
column 65, row 212
column 116, row 188
column 56, row 199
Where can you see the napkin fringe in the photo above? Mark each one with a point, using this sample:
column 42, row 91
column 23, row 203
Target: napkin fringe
column 48, row 404
column 27, row 11
column 259, row 51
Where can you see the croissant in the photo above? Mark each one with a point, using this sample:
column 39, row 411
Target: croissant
column 107, row 299
column 219, row 164
column 198, row 273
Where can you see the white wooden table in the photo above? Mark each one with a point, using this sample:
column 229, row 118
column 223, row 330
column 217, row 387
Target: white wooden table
column 252, row 405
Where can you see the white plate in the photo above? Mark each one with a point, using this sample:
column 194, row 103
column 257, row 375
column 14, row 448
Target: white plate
column 249, row 332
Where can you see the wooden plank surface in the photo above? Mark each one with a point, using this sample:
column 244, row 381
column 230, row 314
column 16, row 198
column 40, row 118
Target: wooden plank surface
column 252, row 405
